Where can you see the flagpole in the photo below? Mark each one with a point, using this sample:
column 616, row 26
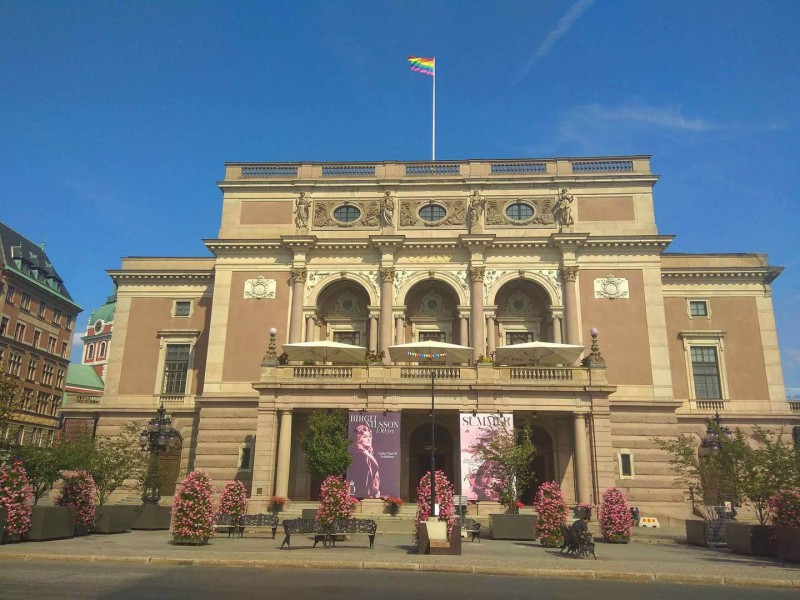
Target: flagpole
column 433, row 142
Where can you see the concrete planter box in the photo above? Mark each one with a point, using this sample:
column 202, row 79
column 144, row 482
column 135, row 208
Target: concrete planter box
column 787, row 543
column 116, row 518
column 151, row 517
column 696, row 532
column 51, row 523
column 309, row 513
column 513, row 527
column 746, row 538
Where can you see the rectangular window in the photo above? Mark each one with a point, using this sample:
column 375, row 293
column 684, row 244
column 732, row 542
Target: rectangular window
column 56, row 316
column 183, row 308
column 64, row 347
column 36, row 336
column 176, row 368
column 518, row 337
column 25, row 303
column 347, row 337
column 51, row 345
column 60, row 378
column 42, row 308
column 10, row 293
column 245, row 457
column 27, row 399
column 48, row 369
column 432, row 336
column 705, row 369
column 14, row 363
column 19, row 332
column 625, row 465
column 32, row 367
column 3, row 326
column 68, row 324
column 698, row 308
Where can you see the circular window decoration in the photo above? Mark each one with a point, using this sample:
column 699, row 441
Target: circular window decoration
column 433, row 304
column 347, row 304
column 432, row 213
column 98, row 326
column 519, row 211
column 347, row 214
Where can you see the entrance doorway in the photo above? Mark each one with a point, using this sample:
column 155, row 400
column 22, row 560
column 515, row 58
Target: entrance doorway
column 420, row 456
column 543, row 463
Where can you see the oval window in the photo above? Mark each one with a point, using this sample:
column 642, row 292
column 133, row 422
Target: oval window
column 519, row 211
column 432, row 213
column 346, row 214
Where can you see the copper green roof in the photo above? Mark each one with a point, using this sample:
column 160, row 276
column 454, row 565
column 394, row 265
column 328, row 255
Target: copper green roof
column 106, row 312
column 84, row 376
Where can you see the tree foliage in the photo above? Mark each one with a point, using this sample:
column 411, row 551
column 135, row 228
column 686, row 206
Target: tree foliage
column 10, row 395
column 509, row 454
column 326, row 444
column 116, row 459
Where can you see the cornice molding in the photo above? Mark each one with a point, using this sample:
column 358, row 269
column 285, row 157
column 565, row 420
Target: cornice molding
column 160, row 275
column 762, row 275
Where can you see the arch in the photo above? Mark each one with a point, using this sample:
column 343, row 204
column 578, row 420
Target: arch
column 408, row 281
column 169, row 466
column 315, row 288
column 543, row 462
column 551, row 287
column 419, row 453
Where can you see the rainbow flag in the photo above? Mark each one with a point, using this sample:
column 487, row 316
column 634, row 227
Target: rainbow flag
column 422, row 65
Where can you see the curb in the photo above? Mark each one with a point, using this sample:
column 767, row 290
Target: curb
column 427, row 568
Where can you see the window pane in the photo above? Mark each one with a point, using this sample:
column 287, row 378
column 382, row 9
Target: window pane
column 519, row 212
column 518, row 337
column 706, row 373
column 432, row 212
column 182, row 309
column 698, row 308
column 625, row 460
column 346, row 214
column 176, row 368
column 432, row 336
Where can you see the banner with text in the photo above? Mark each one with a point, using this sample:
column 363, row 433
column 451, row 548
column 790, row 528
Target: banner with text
column 475, row 477
column 375, row 450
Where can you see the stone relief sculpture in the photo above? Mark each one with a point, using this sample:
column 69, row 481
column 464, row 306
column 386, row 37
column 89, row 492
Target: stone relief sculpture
column 542, row 216
column 387, row 209
column 369, row 219
column 260, row 288
column 563, row 209
column 456, row 213
column 477, row 205
column 302, row 210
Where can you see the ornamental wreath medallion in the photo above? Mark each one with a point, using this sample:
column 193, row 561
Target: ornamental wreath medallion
column 260, row 288
column 611, row 287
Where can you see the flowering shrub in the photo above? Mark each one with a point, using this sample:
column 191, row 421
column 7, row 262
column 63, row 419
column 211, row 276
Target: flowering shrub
column 615, row 516
column 15, row 495
column 585, row 508
column 335, row 501
column 444, row 498
column 78, row 491
column 233, row 500
column 192, row 508
column 277, row 502
column 519, row 505
column 394, row 504
column 784, row 508
column 552, row 509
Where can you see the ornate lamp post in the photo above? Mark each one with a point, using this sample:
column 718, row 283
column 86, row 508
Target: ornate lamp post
column 157, row 438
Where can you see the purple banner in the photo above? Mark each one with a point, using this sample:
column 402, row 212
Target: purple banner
column 475, row 479
column 375, row 450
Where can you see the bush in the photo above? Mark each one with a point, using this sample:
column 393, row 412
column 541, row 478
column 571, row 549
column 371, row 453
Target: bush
column 444, row 498
column 79, row 491
column 552, row 509
column 784, row 508
column 15, row 495
column 233, row 500
column 615, row 516
column 192, row 509
column 335, row 501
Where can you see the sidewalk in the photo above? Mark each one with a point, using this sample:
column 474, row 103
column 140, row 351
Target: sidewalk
column 652, row 556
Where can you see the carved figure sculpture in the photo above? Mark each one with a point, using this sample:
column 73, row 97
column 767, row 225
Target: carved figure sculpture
column 387, row 209
column 477, row 205
column 563, row 209
column 302, row 209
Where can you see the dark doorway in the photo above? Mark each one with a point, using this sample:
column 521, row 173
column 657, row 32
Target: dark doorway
column 543, row 463
column 420, row 456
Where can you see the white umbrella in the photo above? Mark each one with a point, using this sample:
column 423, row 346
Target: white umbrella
column 325, row 351
column 430, row 351
column 538, row 353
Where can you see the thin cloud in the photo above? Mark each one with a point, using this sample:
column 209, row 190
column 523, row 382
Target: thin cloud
column 562, row 28
column 666, row 117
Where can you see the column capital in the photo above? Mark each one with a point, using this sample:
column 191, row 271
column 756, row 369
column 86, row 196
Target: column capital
column 476, row 273
column 569, row 274
column 386, row 274
column 299, row 274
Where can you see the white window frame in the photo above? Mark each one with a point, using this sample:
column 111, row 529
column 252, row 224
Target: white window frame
column 168, row 337
column 619, row 461
column 716, row 339
column 689, row 308
column 175, row 308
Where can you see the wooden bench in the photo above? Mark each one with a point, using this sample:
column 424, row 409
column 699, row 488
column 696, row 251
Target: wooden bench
column 304, row 526
column 235, row 527
column 470, row 526
column 353, row 526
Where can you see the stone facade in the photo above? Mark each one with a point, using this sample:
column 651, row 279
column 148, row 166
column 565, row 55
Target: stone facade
column 479, row 253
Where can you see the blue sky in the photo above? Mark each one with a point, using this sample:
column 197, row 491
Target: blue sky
column 116, row 117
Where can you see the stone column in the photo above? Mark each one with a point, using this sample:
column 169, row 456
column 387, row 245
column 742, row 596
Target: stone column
column 582, row 462
column 264, row 459
column 569, row 275
column 387, row 279
column 373, row 333
column 296, row 315
column 284, row 454
column 399, row 329
column 491, row 336
column 310, row 328
column 478, row 338
column 556, row 322
column 463, row 330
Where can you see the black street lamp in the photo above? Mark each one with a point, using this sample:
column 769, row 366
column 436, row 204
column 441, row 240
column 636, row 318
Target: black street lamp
column 157, row 438
column 710, row 443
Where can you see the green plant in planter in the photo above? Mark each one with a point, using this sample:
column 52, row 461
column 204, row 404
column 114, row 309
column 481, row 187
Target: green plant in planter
column 325, row 443
column 117, row 459
column 785, row 508
column 79, row 491
column 193, row 510
column 15, row 497
column 394, row 505
column 43, row 466
column 615, row 516
column 233, row 500
column 552, row 509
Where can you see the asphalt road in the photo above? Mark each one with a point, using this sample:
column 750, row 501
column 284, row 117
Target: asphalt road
column 88, row 581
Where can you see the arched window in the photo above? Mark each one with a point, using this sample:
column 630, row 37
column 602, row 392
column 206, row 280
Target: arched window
column 519, row 211
column 102, row 351
column 90, row 352
column 432, row 213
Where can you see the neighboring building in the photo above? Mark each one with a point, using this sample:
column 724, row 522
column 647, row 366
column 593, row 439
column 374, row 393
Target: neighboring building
column 38, row 319
column 97, row 340
column 481, row 253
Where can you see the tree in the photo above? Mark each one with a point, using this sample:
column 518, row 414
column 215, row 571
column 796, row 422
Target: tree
column 43, row 466
column 10, row 396
column 326, row 444
column 116, row 459
column 509, row 454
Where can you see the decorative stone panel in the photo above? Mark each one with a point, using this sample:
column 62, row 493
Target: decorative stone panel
column 259, row 288
column 456, row 213
column 369, row 219
column 542, row 211
column 611, row 287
